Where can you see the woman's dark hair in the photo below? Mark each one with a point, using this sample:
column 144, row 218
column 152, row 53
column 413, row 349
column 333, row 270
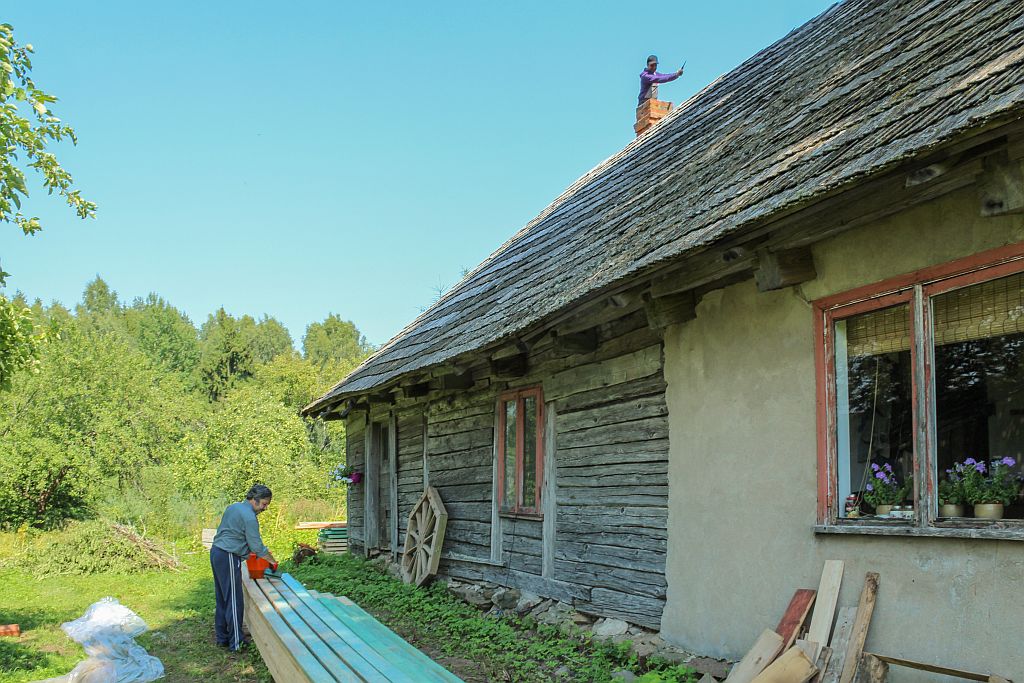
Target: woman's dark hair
column 258, row 492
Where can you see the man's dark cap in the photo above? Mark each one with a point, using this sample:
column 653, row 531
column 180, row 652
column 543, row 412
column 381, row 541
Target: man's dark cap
column 652, row 58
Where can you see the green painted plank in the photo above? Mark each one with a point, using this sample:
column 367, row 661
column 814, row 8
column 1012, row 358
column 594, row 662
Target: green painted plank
column 307, row 662
column 348, row 644
column 337, row 668
column 359, row 618
column 373, row 639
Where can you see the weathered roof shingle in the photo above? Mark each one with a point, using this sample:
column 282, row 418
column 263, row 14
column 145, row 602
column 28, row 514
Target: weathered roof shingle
column 866, row 84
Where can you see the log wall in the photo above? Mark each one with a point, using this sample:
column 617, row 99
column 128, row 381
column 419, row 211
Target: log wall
column 610, row 450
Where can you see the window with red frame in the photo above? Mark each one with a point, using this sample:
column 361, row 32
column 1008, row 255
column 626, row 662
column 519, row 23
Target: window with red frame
column 921, row 379
column 520, row 450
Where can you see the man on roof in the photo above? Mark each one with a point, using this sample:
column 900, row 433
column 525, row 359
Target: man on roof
column 650, row 78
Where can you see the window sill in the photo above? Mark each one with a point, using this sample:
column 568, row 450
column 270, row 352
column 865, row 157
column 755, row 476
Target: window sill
column 998, row 531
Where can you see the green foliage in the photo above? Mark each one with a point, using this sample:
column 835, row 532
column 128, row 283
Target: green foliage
column 335, row 340
column 164, row 334
column 267, row 339
column 951, row 492
column 90, row 547
column 225, row 360
column 994, row 482
column 506, row 649
column 19, row 343
column 27, row 126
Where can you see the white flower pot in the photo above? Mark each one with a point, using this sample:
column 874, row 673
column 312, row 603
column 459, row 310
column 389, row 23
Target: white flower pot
column 883, row 510
column 950, row 510
column 988, row 510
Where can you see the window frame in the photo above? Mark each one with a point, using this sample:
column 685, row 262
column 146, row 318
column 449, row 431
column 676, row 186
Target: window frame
column 916, row 289
column 520, row 396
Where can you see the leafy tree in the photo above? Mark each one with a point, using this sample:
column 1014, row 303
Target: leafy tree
column 164, row 334
column 27, row 126
column 267, row 338
column 335, row 340
column 99, row 299
column 96, row 412
column 18, row 340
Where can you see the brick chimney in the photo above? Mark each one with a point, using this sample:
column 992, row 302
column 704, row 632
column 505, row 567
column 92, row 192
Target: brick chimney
column 649, row 113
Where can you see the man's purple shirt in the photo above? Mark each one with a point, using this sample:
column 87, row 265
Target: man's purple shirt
column 647, row 79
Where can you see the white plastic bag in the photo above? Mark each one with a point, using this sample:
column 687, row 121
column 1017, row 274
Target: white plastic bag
column 106, row 631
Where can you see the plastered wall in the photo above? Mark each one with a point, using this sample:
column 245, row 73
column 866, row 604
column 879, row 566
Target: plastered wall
column 742, row 471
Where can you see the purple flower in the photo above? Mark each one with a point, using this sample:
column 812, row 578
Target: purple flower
column 888, row 468
column 880, row 475
column 874, row 466
column 970, row 461
column 1009, row 462
column 870, row 487
column 980, row 466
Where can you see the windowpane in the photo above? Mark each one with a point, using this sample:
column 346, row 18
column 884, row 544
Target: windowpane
column 529, row 452
column 979, row 376
column 874, row 420
column 509, row 494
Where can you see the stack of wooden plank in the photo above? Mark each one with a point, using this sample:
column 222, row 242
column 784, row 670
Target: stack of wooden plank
column 830, row 647
column 319, row 525
column 207, row 537
column 334, row 540
column 307, row 636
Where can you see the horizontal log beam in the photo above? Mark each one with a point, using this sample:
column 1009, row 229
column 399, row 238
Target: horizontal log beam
column 780, row 269
column 459, row 381
column 670, row 310
column 585, row 341
column 510, row 367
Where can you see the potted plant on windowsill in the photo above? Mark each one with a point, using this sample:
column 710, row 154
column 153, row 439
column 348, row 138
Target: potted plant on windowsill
column 884, row 490
column 989, row 487
column 951, row 492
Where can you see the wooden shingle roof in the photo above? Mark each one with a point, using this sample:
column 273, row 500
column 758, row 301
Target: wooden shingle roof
column 860, row 88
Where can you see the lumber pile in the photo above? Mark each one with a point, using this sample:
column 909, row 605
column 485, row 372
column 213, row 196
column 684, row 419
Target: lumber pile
column 320, row 525
column 823, row 645
column 333, row 540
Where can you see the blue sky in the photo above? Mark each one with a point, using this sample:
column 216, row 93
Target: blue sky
column 337, row 157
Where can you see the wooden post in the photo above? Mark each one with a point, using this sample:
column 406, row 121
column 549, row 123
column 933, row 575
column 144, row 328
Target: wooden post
column 872, row 669
column 859, row 634
column 547, row 501
column 670, row 310
column 393, row 482
column 371, row 491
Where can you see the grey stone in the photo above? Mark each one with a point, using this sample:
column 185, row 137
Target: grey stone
column 563, row 672
column 506, row 598
column 646, row 645
column 624, row 675
column 556, row 614
column 395, row 570
column 541, row 608
column 527, row 602
column 606, row 628
column 472, row 595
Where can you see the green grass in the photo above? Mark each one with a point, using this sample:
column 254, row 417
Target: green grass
column 178, row 607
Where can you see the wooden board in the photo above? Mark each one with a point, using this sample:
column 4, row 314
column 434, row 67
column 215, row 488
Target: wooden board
column 345, row 642
column 207, row 537
column 387, row 642
column 312, row 635
column 793, row 619
column 287, row 658
column 12, row 630
column 859, row 633
column 840, row 641
column 934, row 668
column 792, row 667
column 824, row 657
column 764, row 650
column 320, row 525
column 825, row 604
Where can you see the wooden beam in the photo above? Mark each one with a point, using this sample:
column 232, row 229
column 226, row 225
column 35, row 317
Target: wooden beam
column 459, row 381
column 792, row 667
column 780, row 269
column 820, row 627
column 859, row 634
column 510, row 367
column 585, row 341
column 417, row 390
column 760, row 655
column 933, row 668
column 872, row 669
column 1002, row 186
column 670, row 310
column 839, row 643
column 795, row 615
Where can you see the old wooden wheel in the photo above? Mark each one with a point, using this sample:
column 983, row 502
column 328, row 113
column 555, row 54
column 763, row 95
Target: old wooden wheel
column 424, row 538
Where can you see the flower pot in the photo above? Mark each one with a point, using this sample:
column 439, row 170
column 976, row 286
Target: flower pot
column 988, row 510
column 883, row 510
column 950, row 510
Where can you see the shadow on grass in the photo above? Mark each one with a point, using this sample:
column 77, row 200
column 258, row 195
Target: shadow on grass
column 187, row 646
column 17, row 653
